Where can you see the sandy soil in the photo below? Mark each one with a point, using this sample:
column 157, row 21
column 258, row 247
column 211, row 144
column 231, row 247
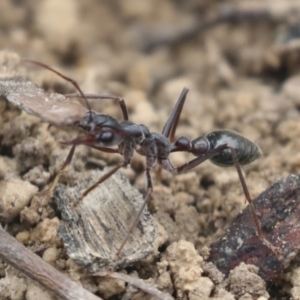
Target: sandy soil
column 240, row 62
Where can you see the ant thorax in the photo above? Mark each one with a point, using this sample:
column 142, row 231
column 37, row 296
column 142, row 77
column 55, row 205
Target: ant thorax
column 137, row 132
column 163, row 145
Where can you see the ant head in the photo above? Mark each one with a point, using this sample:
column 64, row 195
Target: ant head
column 105, row 130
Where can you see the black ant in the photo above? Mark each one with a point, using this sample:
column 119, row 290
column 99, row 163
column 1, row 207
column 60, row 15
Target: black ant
column 105, row 133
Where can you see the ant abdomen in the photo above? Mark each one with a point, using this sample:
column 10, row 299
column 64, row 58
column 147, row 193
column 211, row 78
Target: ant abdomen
column 246, row 150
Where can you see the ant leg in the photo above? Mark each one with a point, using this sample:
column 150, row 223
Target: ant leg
column 147, row 198
column 247, row 194
column 87, row 141
column 104, row 149
column 172, row 122
column 62, row 170
column 250, row 202
column 102, row 179
column 120, row 100
column 166, row 164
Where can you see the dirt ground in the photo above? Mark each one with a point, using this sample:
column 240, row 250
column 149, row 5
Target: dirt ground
column 240, row 62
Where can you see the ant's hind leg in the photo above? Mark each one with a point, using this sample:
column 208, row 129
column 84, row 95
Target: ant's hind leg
column 166, row 164
column 251, row 205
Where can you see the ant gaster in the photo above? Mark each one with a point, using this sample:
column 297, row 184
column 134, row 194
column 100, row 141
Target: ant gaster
column 105, row 133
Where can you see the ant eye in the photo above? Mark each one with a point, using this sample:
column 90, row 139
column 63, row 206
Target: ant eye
column 105, row 137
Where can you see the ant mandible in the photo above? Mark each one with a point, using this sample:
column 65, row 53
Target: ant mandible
column 103, row 132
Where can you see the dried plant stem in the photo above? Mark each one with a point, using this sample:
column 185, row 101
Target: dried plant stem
column 139, row 283
column 21, row 258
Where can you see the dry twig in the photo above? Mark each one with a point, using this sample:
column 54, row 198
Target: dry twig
column 21, row 258
column 139, row 283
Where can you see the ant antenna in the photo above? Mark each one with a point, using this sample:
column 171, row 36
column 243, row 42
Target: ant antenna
column 72, row 81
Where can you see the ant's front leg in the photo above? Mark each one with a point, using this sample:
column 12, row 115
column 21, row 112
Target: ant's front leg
column 126, row 149
column 74, row 143
column 61, row 171
column 102, row 179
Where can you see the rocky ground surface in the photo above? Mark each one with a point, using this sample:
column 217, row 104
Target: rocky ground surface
column 240, row 62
